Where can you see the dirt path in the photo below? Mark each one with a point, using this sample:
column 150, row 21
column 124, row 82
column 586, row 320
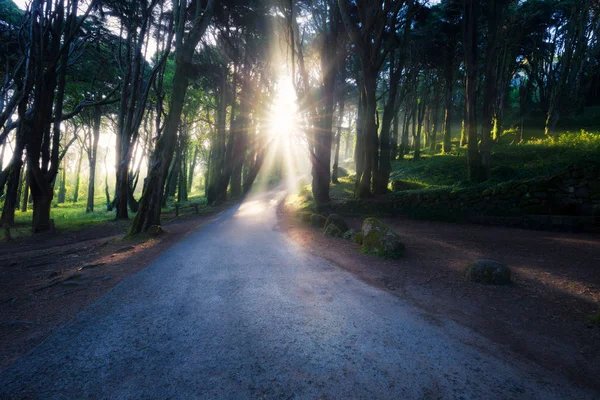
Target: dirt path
column 541, row 316
column 46, row 281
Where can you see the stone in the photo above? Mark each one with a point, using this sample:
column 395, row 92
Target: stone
column 380, row 239
column 358, row 238
column 318, row 221
column 155, row 230
column 488, row 272
column 338, row 221
column 333, row 231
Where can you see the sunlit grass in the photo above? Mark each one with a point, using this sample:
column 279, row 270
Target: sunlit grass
column 533, row 158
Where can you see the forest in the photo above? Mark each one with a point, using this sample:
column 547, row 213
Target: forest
column 119, row 109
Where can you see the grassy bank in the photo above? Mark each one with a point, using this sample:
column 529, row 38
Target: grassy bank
column 511, row 162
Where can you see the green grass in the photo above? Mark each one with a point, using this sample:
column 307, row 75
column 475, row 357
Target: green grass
column 533, row 158
column 71, row 216
column 511, row 161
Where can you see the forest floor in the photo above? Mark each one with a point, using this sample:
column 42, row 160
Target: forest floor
column 543, row 315
column 47, row 280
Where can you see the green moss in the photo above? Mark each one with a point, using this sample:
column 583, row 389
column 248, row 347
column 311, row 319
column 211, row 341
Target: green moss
column 380, row 240
column 358, row 238
column 333, row 231
column 338, row 221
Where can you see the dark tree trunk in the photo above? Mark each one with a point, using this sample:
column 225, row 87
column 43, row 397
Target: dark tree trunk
column 370, row 131
column 338, row 139
column 360, row 139
column 11, row 201
column 447, row 148
column 435, row 119
column 404, row 147
column 471, row 12
column 394, row 141
column 92, row 157
column 25, row 201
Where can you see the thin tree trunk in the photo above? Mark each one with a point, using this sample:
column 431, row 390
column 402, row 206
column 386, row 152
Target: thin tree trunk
column 92, row 160
column 77, row 176
column 338, row 139
column 471, row 12
column 62, row 187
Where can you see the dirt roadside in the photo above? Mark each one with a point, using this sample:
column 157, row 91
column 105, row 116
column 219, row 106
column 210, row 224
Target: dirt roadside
column 541, row 316
column 46, row 281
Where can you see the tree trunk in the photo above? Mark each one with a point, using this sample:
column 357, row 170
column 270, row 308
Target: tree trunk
column 370, row 131
column 77, row 177
column 338, row 139
column 404, row 147
column 11, row 201
column 62, row 187
column 25, row 201
column 360, row 139
column 394, row 141
column 435, row 119
column 471, row 12
column 447, row 148
column 92, row 157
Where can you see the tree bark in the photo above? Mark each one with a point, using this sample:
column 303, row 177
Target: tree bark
column 92, row 159
column 77, row 177
column 471, row 12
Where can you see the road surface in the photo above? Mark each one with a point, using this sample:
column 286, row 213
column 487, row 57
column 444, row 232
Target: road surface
column 237, row 310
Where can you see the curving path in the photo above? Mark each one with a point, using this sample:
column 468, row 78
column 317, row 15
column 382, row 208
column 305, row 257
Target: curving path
column 236, row 310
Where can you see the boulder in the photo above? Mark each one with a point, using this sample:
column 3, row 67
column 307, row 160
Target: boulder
column 489, row 272
column 335, row 219
column 155, row 230
column 333, row 231
column 381, row 240
column 358, row 238
column 318, row 221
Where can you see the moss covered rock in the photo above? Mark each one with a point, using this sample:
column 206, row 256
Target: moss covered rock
column 335, row 219
column 381, row 240
column 333, row 231
column 489, row 272
column 358, row 238
column 318, row 221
